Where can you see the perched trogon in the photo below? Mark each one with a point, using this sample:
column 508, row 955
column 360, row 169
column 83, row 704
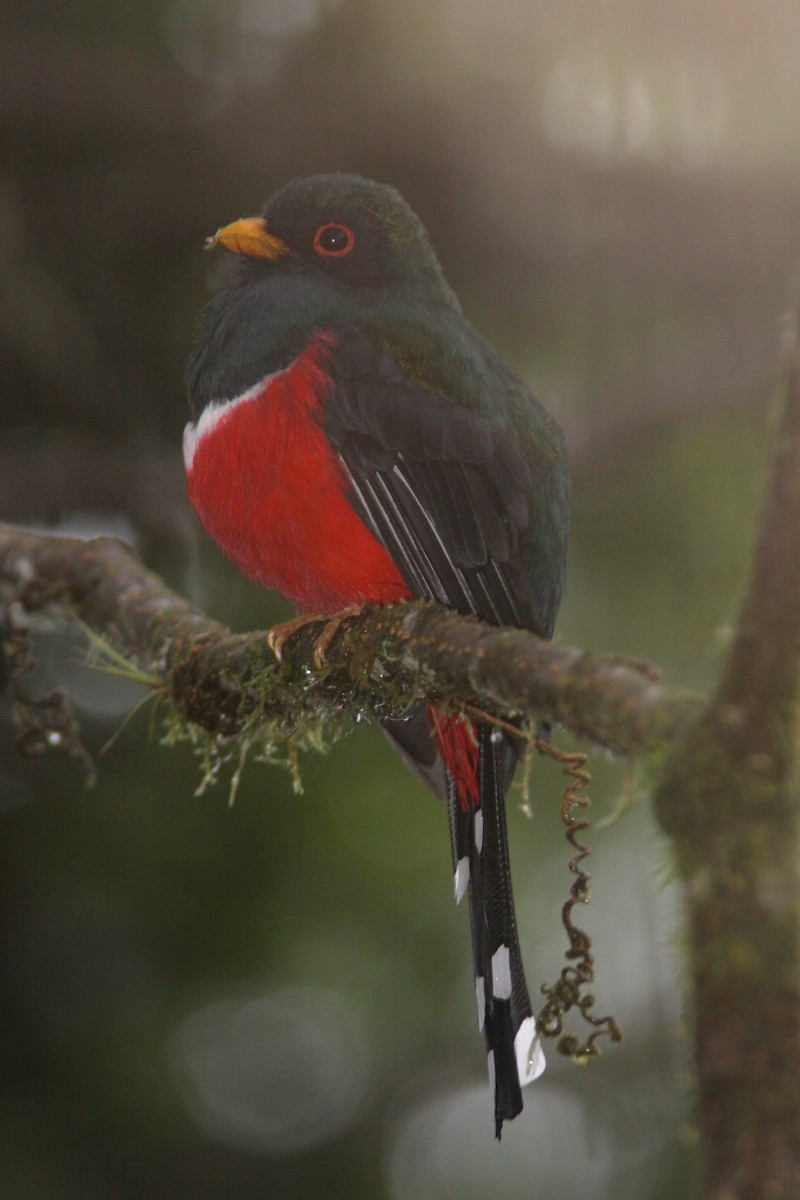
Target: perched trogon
column 353, row 439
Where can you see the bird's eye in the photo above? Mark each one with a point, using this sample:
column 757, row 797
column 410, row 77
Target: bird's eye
column 334, row 240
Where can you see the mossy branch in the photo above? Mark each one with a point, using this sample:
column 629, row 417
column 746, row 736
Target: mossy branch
column 729, row 799
column 381, row 661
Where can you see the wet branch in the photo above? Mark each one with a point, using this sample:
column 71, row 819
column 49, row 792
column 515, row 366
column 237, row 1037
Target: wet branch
column 380, row 661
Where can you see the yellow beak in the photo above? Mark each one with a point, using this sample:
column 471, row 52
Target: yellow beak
column 249, row 236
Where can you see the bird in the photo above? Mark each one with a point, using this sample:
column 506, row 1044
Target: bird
column 352, row 440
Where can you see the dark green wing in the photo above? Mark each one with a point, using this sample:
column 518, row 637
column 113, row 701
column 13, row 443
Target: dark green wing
column 446, row 492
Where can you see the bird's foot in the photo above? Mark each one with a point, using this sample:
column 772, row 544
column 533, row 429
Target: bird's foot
column 332, row 627
column 279, row 635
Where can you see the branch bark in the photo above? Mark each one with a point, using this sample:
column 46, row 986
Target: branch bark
column 381, row 660
column 729, row 799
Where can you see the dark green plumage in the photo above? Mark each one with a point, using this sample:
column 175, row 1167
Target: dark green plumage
column 392, row 292
column 447, row 460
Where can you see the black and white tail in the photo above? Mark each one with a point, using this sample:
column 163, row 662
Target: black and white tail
column 482, row 870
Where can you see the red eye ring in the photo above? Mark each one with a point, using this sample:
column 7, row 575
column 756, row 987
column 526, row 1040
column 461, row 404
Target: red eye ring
column 334, row 240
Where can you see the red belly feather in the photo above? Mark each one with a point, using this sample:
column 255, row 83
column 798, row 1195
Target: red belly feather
column 271, row 492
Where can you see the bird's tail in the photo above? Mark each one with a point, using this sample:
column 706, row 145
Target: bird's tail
column 480, row 763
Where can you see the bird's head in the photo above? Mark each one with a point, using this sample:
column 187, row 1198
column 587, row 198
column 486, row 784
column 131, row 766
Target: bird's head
column 342, row 227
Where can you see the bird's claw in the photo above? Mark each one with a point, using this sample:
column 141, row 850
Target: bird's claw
column 279, row 635
column 332, row 626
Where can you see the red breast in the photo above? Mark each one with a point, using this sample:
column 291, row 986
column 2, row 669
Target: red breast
column 269, row 489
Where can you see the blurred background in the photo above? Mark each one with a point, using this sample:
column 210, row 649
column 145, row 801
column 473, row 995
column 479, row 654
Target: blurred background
column 275, row 999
